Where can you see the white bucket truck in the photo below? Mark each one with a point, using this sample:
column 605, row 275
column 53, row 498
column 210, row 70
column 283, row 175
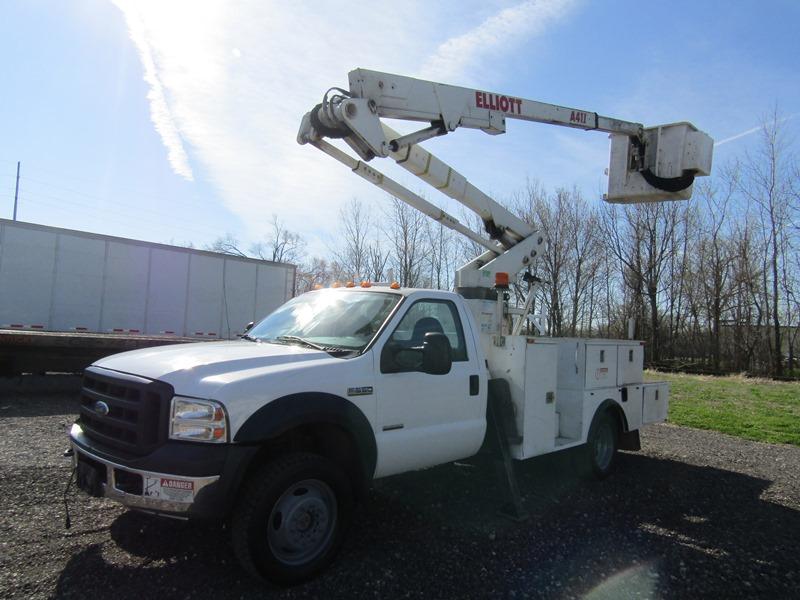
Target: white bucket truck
column 282, row 431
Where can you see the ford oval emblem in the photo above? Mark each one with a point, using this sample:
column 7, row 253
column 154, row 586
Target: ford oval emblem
column 101, row 408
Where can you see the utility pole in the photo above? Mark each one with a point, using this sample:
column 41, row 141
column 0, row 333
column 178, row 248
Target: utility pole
column 16, row 193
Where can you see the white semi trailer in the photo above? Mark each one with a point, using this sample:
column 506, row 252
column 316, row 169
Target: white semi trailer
column 67, row 296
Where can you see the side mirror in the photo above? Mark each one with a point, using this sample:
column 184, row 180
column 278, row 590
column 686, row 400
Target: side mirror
column 437, row 355
column 249, row 326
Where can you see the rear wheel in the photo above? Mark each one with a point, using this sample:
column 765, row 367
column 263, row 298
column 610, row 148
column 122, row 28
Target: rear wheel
column 291, row 518
column 602, row 444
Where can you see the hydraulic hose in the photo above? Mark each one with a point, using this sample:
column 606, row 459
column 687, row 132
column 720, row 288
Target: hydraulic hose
column 669, row 184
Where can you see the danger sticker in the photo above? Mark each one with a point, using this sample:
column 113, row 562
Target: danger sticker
column 601, row 373
column 174, row 490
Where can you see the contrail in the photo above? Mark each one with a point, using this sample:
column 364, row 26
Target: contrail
column 160, row 112
column 751, row 130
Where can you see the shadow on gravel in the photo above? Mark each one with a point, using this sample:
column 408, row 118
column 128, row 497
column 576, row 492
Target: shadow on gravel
column 39, row 385
column 657, row 528
column 39, row 395
column 37, row 406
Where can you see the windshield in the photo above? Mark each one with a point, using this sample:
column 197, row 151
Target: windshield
column 328, row 318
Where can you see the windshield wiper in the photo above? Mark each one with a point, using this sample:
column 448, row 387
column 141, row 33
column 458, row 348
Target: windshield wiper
column 248, row 337
column 308, row 343
column 303, row 341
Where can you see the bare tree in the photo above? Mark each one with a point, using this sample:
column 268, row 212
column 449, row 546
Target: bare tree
column 316, row 272
column 440, row 257
column 405, row 229
column 226, row 244
column 352, row 248
column 281, row 245
column 377, row 259
column 640, row 237
column 767, row 183
column 584, row 251
column 713, row 260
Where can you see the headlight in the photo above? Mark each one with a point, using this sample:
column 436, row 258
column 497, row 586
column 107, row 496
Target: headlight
column 198, row 421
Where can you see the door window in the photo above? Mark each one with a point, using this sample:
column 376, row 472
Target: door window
column 426, row 316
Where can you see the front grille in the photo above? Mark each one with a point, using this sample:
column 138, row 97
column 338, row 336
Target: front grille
column 137, row 410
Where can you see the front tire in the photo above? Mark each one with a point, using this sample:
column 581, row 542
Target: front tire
column 602, row 444
column 291, row 518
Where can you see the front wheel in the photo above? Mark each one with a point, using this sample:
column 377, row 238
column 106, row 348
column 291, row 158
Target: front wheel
column 291, row 518
column 602, row 444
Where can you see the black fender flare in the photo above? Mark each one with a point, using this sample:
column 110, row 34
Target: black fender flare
column 616, row 409
column 311, row 408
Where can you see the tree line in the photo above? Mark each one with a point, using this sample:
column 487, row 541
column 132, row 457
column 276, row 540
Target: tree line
column 711, row 285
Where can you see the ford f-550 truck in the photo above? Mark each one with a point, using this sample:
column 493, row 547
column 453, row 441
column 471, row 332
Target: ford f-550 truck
column 282, row 431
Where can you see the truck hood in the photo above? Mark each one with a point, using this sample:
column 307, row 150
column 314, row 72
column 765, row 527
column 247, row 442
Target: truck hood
column 209, row 364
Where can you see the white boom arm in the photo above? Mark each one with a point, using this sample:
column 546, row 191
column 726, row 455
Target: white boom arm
column 450, row 107
column 646, row 164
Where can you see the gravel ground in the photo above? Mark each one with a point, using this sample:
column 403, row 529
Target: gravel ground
column 694, row 514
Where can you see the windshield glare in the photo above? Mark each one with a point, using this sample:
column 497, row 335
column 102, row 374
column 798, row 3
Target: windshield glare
column 330, row 318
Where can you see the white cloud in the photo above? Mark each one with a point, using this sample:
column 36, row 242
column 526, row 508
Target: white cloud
column 232, row 81
column 458, row 55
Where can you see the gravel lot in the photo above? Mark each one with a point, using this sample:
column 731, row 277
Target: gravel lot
column 695, row 514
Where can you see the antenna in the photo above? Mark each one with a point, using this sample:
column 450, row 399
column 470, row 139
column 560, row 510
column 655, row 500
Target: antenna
column 16, row 193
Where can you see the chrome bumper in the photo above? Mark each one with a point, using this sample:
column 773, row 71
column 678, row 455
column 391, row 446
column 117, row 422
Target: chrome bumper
column 139, row 501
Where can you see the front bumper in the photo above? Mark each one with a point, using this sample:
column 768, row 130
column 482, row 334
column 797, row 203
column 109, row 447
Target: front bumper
column 182, row 480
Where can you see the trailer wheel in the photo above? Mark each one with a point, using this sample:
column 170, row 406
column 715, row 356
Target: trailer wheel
column 602, row 443
column 291, row 517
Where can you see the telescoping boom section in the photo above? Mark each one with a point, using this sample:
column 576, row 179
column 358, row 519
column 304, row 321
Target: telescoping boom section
column 647, row 164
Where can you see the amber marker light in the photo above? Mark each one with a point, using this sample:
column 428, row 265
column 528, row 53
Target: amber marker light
column 318, row 286
column 395, row 285
column 366, row 284
column 336, row 284
column 350, row 284
column 501, row 280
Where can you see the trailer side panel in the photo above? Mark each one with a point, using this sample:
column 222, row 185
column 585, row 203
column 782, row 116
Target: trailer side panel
column 169, row 273
column 26, row 278
column 78, row 286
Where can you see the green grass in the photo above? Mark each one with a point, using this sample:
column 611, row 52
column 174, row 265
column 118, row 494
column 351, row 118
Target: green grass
column 756, row 409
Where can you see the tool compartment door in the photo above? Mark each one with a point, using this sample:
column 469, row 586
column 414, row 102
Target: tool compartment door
column 630, row 364
column 655, row 402
column 539, row 428
column 601, row 366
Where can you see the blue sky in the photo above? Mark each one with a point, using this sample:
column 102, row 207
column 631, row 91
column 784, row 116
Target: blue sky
column 176, row 121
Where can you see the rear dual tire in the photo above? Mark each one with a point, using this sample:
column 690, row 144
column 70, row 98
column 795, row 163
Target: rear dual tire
column 602, row 444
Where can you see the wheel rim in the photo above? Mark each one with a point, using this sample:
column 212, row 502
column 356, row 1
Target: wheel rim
column 302, row 522
column 603, row 446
